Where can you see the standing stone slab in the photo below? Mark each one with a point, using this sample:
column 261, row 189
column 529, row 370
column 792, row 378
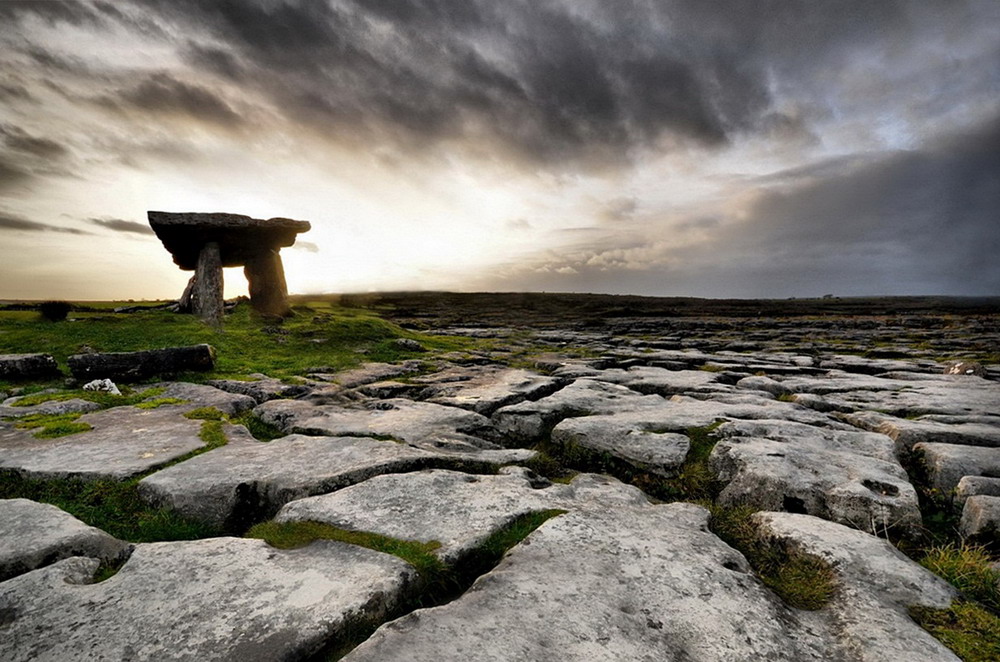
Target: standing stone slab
column 226, row 599
column 27, row 366
column 34, row 534
column 136, row 366
column 636, row 582
column 239, row 484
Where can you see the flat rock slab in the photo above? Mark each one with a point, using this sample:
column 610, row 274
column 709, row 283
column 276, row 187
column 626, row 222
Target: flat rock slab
column 947, row 464
column 637, row 582
column 527, row 422
column 35, row 534
column 421, row 423
column 876, row 585
column 9, row 408
column 980, row 517
column 948, row 395
column 636, row 442
column 27, row 366
column 458, row 510
column 370, row 373
column 850, row 477
column 487, row 389
column 238, row 484
column 216, row 599
column 199, row 395
column 973, row 485
column 908, row 432
column 261, row 389
column 124, row 441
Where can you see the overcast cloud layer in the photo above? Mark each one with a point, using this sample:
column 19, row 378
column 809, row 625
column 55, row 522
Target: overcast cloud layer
column 776, row 148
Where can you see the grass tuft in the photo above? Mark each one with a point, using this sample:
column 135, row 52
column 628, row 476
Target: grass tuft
column 968, row 630
column 259, row 428
column 801, row 580
column 51, row 426
column 205, row 414
column 292, row 535
column 969, row 569
column 160, row 402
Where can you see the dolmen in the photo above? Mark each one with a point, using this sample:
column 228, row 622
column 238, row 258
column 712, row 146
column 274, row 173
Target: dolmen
column 207, row 242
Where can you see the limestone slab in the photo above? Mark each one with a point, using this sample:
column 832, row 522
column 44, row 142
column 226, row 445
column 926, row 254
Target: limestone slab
column 850, row 477
column 980, row 517
column 216, row 599
column 35, row 534
column 947, row 464
column 486, row 390
column 239, row 484
column 907, row 432
column 876, row 585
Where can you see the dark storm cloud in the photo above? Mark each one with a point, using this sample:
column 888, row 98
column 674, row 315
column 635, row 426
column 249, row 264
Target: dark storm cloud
column 10, row 222
column 161, row 93
column 19, row 140
column 53, row 11
column 121, row 225
column 548, row 80
column 11, row 175
column 921, row 221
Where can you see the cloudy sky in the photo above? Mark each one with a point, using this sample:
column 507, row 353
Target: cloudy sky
column 669, row 147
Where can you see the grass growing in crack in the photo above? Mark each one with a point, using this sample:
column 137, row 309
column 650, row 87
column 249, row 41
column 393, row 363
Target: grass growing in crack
column 259, row 428
column 969, row 569
column 106, row 400
column 968, row 630
column 156, row 403
column 292, row 535
column 801, row 580
column 938, row 513
column 51, row 426
column 205, row 414
column 110, row 505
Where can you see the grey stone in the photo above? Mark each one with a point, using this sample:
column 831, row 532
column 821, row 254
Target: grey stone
column 458, row 510
column 965, row 368
column 9, row 408
column 487, row 389
column 948, row 395
column 261, row 389
column 907, row 432
column 980, row 517
column 630, row 583
column 876, row 586
column 27, row 366
column 216, row 599
column 849, row 477
column 34, row 534
column 527, row 422
column 948, row 463
column 370, row 373
column 124, row 441
column 638, row 442
column 421, row 423
column 199, row 395
column 973, row 485
column 238, row 484
column 103, row 386
column 136, row 366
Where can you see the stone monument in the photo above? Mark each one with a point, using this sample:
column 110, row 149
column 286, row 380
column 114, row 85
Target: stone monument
column 205, row 243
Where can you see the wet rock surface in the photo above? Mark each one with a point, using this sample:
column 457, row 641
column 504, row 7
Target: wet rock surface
column 450, row 451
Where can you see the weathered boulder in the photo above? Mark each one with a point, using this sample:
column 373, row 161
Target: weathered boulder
column 369, row 373
column 27, row 366
column 849, row 477
column 637, row 442
column 908, row 432
column 218, row 599
column 206, row 243
column 965, row 368
column 981, row 518
column 487, row 389
column 262, row 388
column 136, row 366
column 34, row 534
column 972, row 485
column 200, row 395
column 10, row 409
column 239, row 484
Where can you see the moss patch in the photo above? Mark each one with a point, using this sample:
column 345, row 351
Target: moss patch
column 292, row 535
column 205, row 414
column 155, row 403
column 800, row 580
column 259, row 428
column 968, row 630
column 50, row 426
column 106, row 400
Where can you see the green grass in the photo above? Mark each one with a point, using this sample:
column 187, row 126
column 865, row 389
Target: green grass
column 51, row 426
column 800, row 580
column 246, row 344
column 106, row 400
column 156, row 403
column 110, row 505
column 292, row 535
column 969, row 569
column 205, row 414
column 968, row 630
column 260, row 429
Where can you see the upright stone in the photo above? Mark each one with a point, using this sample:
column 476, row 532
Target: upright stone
column 266, row 278
column 240, row 241
column 206, row 296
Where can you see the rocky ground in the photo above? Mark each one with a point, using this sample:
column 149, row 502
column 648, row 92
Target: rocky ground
column 556, row 493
